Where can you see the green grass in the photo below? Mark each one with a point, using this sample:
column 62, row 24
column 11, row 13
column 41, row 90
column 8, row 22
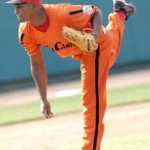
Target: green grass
column 130, row 143
column 30, row 111
column 128, row 95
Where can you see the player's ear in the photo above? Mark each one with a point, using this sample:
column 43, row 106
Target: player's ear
column 33, row 5
column 36, row 6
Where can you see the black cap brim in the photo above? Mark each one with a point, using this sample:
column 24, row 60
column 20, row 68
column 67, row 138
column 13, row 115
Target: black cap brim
column 14, row 2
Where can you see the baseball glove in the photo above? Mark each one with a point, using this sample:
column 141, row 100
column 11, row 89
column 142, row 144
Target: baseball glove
column 82, row 39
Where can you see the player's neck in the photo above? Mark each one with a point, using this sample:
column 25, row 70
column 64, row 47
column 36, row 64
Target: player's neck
column 38, row 18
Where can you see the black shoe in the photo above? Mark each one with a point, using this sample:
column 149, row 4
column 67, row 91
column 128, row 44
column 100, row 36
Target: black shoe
column 128, row 8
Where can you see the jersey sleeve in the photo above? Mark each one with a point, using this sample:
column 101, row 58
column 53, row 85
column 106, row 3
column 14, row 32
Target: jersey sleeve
column 80, row 16
column 26, row 40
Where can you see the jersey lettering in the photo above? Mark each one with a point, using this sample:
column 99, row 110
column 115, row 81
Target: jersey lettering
column 59, row 46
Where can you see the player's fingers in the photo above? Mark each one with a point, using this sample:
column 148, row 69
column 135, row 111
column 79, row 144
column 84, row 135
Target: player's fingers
column 48, row 114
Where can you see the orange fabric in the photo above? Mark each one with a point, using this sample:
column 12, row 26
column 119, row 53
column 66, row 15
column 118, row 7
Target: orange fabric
column 95, row 73
column 115, row 29
column 94, row 67
column 59, row 16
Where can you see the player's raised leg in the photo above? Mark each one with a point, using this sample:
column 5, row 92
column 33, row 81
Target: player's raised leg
column 115, row 27
column 121, row 6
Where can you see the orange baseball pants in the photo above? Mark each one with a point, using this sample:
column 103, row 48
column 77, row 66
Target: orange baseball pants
column 94, row 72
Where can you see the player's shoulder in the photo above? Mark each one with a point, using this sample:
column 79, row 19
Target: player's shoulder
column 24, row 27
column 59, row 6
column 56, row 5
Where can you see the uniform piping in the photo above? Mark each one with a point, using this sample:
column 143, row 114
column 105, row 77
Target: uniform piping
column 97, row 98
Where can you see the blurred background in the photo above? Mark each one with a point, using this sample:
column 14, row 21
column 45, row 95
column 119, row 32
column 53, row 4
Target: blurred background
column 14, row 62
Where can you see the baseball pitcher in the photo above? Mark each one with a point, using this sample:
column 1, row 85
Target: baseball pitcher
column 74, row 31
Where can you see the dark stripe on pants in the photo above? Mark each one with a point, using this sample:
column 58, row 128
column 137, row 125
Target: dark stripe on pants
column 97, row 98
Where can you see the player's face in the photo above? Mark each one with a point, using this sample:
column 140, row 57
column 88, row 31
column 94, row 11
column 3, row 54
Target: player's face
column 24, row 11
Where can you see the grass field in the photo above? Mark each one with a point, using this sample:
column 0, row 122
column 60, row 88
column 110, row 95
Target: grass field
column 116, row 97
column 30, row 111
column 130, row 143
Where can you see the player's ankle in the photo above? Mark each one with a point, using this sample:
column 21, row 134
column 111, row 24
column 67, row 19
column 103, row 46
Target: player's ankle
column 122, row 15
column 127, row 8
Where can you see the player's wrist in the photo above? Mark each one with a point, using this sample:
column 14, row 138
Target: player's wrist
column 43, row 99
column 94, row 35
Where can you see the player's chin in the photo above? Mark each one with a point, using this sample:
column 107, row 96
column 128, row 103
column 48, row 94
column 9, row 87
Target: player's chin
column 21, row 19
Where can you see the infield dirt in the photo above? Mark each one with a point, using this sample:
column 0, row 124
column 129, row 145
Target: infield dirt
column 65, row 130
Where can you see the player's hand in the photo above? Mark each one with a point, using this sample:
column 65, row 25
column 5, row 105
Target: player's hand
column 46, row 109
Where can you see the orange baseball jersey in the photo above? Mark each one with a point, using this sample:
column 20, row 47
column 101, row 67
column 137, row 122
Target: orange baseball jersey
column 75, row 16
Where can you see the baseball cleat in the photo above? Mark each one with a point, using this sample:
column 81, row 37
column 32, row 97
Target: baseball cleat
column 128, row 8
